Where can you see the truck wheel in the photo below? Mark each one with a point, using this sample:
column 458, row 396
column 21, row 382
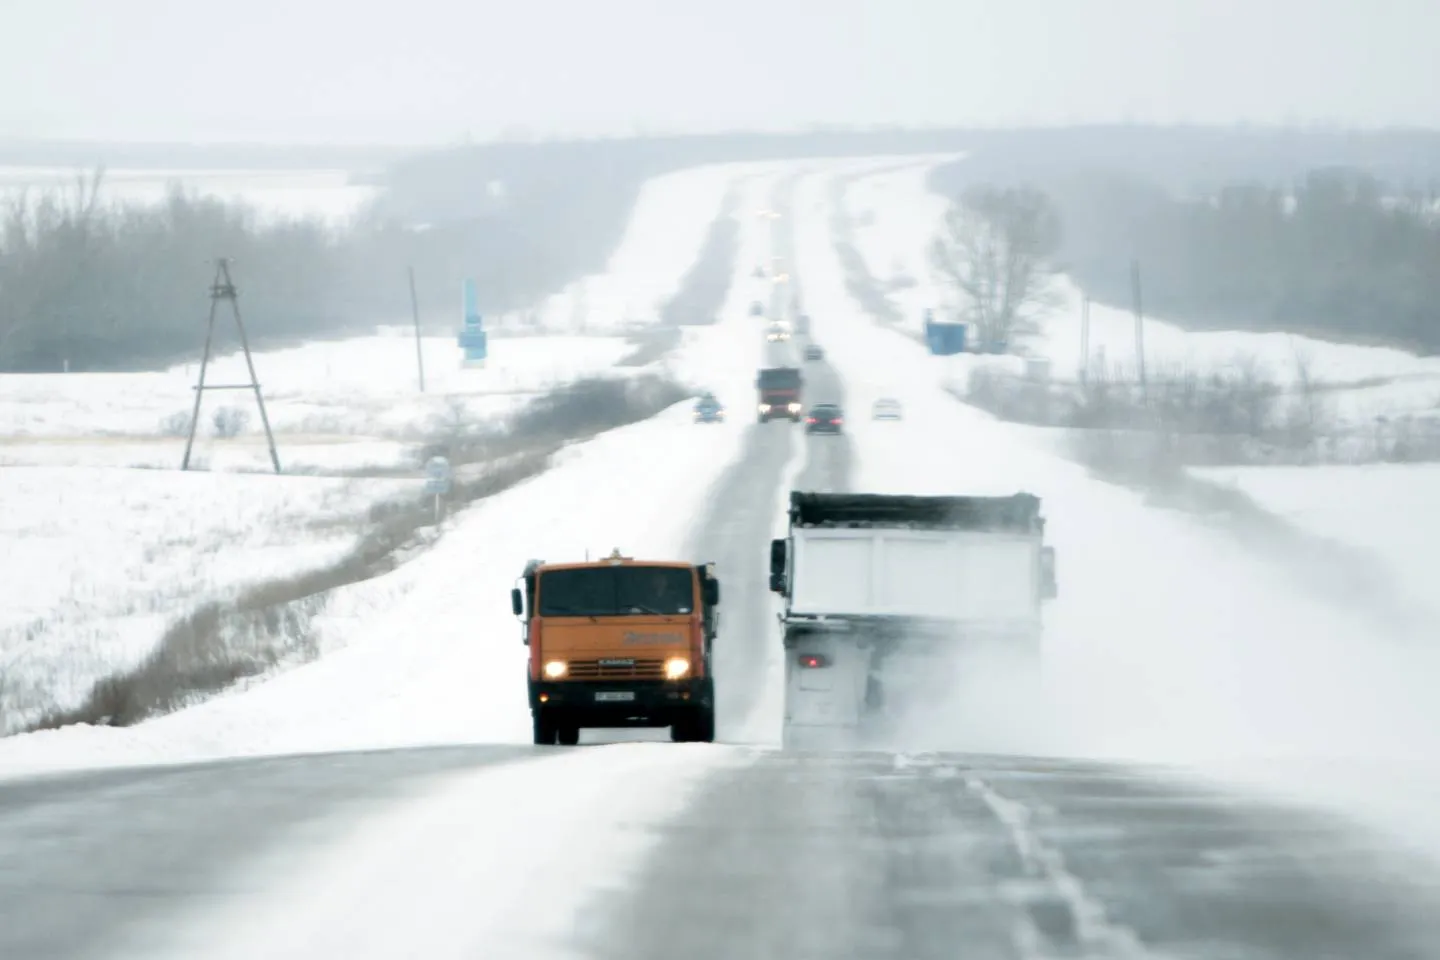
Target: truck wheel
column 544, row 728
column 695, row 727
column 568, row 734
column 704, row 725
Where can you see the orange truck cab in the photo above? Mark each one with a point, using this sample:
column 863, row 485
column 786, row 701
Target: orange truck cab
column 619, row 642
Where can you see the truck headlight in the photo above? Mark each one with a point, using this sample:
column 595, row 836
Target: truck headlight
column 555, row 669
column 676, row 667
column 764, row 408
column 794, row 408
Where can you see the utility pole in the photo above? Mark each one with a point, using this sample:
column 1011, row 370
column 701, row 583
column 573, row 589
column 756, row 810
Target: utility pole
column 1084, row 338
column 222, row 287
column 415, row 313
column 1139, row 328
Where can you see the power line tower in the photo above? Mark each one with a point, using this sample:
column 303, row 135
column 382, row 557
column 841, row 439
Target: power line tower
column 222, row 287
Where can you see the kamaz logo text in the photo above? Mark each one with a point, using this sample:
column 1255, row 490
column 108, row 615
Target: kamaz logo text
column 632, row 638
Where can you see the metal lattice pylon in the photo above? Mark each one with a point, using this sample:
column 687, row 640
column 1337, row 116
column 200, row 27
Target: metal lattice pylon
column 223, row 288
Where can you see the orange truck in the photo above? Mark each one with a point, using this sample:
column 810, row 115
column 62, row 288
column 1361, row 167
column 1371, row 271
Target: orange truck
column 619, row 642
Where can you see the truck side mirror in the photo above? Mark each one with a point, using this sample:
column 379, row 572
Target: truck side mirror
column 1049, row 589
column 777, row 566
column 711, row 590
column 517, row 605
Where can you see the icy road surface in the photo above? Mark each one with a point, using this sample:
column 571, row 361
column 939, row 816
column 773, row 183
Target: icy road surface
column 747, row 854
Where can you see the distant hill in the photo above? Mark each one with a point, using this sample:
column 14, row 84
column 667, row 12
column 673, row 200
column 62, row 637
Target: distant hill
column 160, row 156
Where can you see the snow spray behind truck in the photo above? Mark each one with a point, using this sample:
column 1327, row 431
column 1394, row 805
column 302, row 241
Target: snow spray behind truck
column 884, row 593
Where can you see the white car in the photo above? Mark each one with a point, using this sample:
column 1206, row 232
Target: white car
column 886, row 408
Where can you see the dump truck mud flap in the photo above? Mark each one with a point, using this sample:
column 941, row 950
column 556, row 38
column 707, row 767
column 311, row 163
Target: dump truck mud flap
column 826, row 681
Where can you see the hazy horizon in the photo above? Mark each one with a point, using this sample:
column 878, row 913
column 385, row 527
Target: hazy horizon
column 432, row 71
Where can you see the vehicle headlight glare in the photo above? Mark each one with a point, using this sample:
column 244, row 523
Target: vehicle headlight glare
column 555, row 669
column 676, row 667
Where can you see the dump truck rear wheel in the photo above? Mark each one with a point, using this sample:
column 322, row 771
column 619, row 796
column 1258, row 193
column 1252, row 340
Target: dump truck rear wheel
column 568, row 734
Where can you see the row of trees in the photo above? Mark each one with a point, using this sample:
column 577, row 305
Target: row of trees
column 91, row 285
column 1339, row 255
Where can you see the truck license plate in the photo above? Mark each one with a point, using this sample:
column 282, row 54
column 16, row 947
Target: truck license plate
column 612, row 696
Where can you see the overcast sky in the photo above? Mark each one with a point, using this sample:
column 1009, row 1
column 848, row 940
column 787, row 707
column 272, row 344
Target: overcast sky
column 427, row 71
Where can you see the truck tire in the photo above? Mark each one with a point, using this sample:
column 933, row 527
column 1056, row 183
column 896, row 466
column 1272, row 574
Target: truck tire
column 697, row 726
column 568, row 734
column 704, row 728
column 544, row 728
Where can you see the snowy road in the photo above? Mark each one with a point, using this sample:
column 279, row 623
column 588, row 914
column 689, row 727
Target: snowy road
column 873, row 857
column 82, row 855
column 773, row 856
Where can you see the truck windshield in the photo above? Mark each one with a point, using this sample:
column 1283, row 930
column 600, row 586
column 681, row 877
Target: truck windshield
column 779, row 378
column 617, row 592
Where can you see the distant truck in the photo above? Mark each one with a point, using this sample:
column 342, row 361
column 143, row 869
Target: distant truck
column 881, row 593
column 944, row 338
column 780, row 389
column 777, row 332
column 619, row 643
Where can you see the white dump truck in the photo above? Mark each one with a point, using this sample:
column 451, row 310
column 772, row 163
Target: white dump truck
column 886, row 597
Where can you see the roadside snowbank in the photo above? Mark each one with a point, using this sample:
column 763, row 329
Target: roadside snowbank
column 1385, row 510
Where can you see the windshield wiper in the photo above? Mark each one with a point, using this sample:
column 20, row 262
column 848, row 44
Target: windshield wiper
column 568, row 612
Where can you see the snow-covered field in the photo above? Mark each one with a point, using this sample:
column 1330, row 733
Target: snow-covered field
column 898, row 216
column 346, row 400
column 1386, row 511
column 101, row 562
column 275, row 194
column 430, row 653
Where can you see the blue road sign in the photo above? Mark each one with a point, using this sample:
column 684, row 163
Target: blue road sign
column 437, row 475
column 472, row 335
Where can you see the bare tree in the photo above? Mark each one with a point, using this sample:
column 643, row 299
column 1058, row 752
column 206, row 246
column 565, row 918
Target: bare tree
column 994, row 249
column 1308, row 411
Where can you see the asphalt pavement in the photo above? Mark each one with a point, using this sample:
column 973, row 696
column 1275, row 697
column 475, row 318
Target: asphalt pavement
column 871, row 856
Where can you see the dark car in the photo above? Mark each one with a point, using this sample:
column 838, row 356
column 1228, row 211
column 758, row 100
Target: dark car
column 757, row 309
column 813, row 352
column 824, row 418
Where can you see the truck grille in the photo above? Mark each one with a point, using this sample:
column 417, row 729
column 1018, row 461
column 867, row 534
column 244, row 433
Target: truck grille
column 618, row 668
